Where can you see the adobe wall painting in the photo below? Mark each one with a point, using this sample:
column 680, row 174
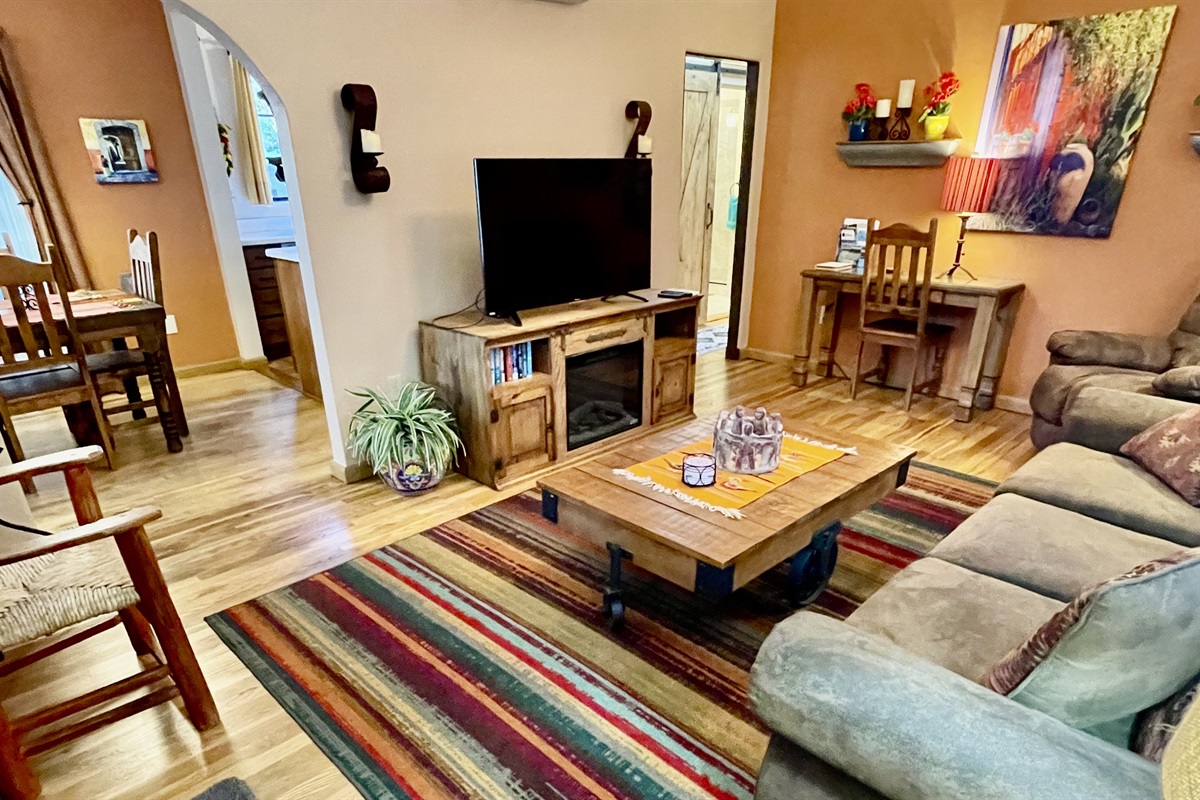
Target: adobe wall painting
column 1064, row 110
column 119, row 150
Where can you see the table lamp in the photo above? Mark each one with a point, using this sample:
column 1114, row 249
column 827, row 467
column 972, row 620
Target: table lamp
column 970, row 184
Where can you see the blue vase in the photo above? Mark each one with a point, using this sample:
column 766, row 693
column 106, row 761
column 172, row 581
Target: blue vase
column 858, row 130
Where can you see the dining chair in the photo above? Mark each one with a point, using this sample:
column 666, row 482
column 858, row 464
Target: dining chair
column 894, row 307
column 129, row 364
column 102, row 574
column 42, row 365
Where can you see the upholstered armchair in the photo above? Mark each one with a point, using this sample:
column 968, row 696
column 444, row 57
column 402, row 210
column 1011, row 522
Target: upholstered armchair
column 1145, row 378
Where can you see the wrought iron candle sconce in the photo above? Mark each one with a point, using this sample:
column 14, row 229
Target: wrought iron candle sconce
column 900, row 130
column 639, row 143
column 365, row 146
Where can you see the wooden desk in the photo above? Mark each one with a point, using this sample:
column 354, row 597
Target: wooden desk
column 995, row 301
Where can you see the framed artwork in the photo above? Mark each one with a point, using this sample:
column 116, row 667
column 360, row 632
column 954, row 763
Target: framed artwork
column 1065, row 107
column 119, row 150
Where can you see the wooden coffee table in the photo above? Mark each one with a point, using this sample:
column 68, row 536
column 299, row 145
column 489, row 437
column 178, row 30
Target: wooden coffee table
column 703, row 550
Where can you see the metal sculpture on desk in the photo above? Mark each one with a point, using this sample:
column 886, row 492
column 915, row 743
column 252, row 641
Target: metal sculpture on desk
column 748, row 443
column 365, row 145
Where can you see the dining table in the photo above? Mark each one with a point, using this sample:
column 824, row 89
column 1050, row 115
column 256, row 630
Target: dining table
column 108, row 316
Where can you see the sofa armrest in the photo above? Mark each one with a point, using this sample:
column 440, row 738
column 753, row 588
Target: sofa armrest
column 912, row 730
column 1128, row 350
column 1104, row 419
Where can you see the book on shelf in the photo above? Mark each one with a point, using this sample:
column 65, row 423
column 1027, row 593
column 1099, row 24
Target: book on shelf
column 511, row 363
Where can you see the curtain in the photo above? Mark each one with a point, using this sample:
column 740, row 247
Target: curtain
column 23, row 161
column 250, row 143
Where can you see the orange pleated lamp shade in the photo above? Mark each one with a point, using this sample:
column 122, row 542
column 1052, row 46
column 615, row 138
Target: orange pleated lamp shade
column 970, row 184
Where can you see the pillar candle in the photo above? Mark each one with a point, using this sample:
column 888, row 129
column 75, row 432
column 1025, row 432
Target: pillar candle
column 883, row 108
column 905, row 95
column 645, row 145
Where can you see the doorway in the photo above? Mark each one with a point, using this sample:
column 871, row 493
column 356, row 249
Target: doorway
column 718, row 132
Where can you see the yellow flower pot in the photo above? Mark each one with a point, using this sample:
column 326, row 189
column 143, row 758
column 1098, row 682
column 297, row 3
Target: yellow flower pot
column 935, row 126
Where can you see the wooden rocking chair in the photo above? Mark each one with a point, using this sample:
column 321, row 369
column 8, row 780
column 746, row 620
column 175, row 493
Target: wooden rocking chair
column 51, row 584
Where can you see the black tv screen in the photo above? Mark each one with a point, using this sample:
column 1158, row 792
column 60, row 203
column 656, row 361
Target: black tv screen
column 556, row 230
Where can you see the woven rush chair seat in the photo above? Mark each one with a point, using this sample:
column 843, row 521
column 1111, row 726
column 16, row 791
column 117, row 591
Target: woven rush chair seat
column 43, row 595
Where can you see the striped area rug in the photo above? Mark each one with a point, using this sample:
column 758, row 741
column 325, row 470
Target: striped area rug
column 473, row 661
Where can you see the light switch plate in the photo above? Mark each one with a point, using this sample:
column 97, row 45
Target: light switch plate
column 171, row 326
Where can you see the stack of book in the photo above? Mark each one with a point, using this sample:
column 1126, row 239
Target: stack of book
column 511, row 363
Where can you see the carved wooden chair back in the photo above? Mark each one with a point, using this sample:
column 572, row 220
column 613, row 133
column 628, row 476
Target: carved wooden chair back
column 42, row 344
column 145, row 267
column 893, row 285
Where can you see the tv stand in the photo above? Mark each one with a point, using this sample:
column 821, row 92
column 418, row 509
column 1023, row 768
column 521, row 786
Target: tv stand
column 608, row 297
column 515, row 430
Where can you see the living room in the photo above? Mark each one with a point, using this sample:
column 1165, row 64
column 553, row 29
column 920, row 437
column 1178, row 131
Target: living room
column 554, row 541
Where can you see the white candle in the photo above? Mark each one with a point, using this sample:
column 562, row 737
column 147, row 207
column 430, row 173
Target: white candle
column 371, row 143
column 883, row 108
column 645, row 145
column 904, row 96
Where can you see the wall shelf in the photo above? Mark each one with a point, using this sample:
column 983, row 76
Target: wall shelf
column 897, row 154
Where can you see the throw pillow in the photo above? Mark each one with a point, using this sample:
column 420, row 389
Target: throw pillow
column 1119, row 648
column 1155, row 726
column 1170, row 451
column 1182, row 383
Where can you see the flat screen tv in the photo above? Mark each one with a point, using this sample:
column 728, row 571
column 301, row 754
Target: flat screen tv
column 556, row 230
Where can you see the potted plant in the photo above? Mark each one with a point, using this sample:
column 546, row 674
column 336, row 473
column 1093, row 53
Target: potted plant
column 936, row 114
column 858, row 112
column 408, row 435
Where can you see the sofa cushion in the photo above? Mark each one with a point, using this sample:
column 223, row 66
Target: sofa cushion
column 1105, row 419
column 954, row 617
column 1108, row 488
column 1121, row 647
column 1150, row 353
column 1185, row 346
column 1170, row 451
column 1048, row 550
column 1058, row 382
column 1181, row 383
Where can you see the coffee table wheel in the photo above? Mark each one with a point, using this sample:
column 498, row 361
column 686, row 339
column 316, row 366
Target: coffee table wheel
column 813, row 566
column 614, row 608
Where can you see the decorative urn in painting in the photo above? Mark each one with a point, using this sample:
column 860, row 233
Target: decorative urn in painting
column 408, row 435
column 749, row 443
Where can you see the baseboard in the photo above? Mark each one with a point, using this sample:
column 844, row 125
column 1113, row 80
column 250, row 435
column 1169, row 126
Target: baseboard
column 770, row 356
column 213, row 367
column 1020, row 405
column 350, row 473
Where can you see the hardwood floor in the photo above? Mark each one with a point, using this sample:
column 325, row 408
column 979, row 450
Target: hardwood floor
column 249, row 506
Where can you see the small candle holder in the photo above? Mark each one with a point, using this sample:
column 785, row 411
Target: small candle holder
column 900, row 130
column 877, row 131
column 699, row 469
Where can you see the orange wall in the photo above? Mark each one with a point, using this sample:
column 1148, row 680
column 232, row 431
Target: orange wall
column 1139, row 280
column 78, row 58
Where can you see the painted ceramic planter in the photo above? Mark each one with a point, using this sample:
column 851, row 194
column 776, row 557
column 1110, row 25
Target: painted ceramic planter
column 858, row 130
column 935, row 126
column 748, row 442
column 412, row 478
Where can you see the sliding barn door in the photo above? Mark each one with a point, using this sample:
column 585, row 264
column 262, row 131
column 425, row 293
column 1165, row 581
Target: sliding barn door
column 700, row 111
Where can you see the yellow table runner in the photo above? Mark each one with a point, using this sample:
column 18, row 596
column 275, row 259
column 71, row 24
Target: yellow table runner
column 732, row 490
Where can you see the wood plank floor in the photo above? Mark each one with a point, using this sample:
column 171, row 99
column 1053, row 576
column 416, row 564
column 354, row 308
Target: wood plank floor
column 249, row 506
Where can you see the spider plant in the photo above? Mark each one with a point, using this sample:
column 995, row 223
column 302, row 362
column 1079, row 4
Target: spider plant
column 411, row 424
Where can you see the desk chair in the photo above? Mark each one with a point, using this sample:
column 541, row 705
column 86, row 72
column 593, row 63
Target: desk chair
column 894, row 311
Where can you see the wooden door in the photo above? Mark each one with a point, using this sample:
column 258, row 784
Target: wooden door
column 673, row 381
column 700, row 112
column 522, row 429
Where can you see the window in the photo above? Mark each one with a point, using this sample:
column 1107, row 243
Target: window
column 270, row 138
column 14, row 220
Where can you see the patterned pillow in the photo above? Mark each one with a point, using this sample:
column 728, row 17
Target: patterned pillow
column 1170, row 451
column 1122, row 646
column 1155, row 726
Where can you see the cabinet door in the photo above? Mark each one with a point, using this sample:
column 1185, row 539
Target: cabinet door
column 672, row 386
column 522, row 430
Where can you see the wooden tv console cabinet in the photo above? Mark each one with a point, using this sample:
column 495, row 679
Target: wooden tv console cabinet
column 518, row 428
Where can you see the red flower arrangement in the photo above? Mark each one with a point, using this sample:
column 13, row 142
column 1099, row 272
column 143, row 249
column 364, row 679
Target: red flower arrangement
column 937, row 95
column 862, row 106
